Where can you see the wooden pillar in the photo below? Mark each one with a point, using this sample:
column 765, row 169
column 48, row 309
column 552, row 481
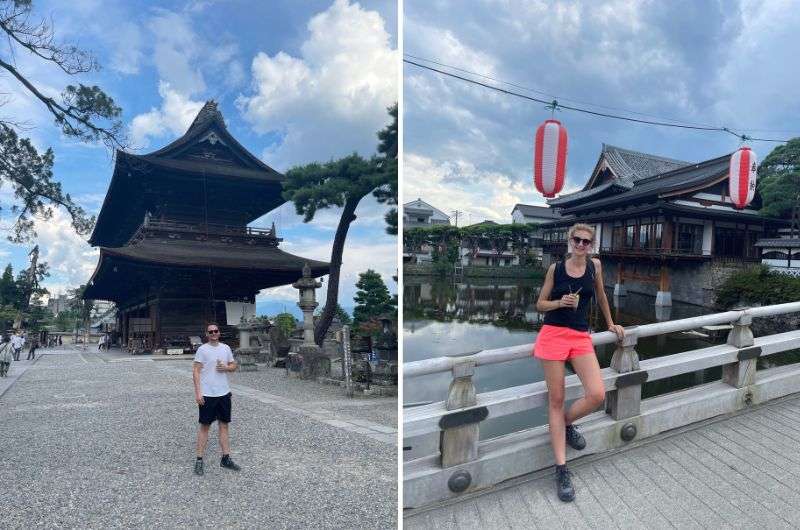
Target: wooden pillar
column 619, row 287
column 663, row 280
column 663, row 296
column 625, row 401
column 155, row 322
column 743, row 372
column 459, row 443
column 668, row 233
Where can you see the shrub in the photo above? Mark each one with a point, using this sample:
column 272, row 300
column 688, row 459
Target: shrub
column 758, row 285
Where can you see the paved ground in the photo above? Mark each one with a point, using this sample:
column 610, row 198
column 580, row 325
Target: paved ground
column 107, row 441
column 739, row 472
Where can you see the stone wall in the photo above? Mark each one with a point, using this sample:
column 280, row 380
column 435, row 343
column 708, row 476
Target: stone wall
column 691, row 283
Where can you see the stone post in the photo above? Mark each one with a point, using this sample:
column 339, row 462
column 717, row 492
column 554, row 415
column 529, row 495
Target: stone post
column 625, row 401
column 309, row 351
column 347, row 361
column 246, row 355
column 459, row 443
column 743, row 372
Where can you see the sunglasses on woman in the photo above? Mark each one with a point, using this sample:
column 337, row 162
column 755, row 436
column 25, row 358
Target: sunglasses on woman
column 213, row 331
column 578, row 240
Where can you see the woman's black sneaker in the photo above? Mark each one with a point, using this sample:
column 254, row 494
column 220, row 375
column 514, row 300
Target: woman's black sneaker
column 198, row 467
column 574, row 438
column 566, row 492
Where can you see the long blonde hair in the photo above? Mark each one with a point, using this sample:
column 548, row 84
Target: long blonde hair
column 574, row 228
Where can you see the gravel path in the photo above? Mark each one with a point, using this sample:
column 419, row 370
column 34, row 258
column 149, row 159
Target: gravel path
column 96, row 444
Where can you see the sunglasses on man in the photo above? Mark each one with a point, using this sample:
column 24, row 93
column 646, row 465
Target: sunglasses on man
column 213, row 331
column 579, row 240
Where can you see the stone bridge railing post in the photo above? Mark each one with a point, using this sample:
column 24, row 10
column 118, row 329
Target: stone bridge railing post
column 743, row 372
column 625, row 401
column 459, row 434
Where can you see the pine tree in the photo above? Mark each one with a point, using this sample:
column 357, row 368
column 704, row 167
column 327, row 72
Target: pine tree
column 372, row 301
column 342, row 183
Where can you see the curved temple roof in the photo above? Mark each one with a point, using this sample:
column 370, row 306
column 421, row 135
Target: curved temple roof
column 205, row 164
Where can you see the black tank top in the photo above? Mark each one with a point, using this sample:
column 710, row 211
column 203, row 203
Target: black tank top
column 563, row 283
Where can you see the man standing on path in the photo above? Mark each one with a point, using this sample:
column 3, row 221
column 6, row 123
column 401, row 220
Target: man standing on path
column 17, row 341
column 211, row 363
column 32, row 350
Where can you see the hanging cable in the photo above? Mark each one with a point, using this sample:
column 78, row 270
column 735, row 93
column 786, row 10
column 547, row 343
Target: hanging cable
column 591, row 112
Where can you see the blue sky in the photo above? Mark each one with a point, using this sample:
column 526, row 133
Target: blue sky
column 712, row 62
column 297, row 82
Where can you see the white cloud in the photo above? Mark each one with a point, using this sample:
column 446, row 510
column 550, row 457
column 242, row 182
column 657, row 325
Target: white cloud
column 72, row 261
column 332, row 100
column 479, row 195
column 127, row 44
column 176, row 49
column 175, row 115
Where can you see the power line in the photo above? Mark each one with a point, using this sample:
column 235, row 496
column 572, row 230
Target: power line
column 562, row 98
column 556, row 104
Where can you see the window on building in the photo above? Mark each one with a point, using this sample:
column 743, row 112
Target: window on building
column 630, row 235
column 690, row 238
column 657, row 230
column 728, row 242
column 644, row 236
column 618, row 237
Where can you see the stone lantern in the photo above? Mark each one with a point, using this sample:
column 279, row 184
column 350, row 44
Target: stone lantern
column 305, row 359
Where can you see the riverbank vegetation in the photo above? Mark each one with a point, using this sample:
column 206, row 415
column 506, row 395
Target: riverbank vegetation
column 444, row 242
column 758, row 285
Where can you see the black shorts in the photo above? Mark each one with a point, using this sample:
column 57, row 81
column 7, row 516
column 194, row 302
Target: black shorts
column 215, row 408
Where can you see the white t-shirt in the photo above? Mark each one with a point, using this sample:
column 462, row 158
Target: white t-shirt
column 212, row 382
column 17, row 341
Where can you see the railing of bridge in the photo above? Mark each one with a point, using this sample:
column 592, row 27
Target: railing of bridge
column 466, row 463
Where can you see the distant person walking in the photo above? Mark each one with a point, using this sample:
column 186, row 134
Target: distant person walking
column 568, row 287
column 6, row 355
column 212, row 362
column 17, row 341
column 32, row 350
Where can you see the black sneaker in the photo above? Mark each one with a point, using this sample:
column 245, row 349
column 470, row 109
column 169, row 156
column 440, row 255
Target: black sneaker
column 574, row 438
column 566, row 493
column 198, row 467
column 228, row 463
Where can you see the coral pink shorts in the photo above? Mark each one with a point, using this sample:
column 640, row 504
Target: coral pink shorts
column 557, row 343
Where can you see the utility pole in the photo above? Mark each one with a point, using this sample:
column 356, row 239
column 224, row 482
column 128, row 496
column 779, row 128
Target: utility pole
column 456, row 213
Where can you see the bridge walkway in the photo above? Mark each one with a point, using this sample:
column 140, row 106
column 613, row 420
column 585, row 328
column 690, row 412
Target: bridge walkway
column 740, row 470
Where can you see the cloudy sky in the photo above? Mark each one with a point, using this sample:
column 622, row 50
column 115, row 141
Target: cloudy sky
column 709, row 62
column 297, row 82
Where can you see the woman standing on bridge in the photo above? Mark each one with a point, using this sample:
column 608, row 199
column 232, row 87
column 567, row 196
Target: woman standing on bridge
column 568, row 288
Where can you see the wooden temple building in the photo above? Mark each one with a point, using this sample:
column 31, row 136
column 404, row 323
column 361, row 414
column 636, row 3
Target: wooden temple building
column 175, row 247
column 664, row 227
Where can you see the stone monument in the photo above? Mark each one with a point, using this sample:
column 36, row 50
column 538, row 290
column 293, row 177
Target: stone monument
column 303, row 362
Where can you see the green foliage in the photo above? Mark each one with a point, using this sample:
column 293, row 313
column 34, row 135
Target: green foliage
column 343, row 316
column 9, row 291
column 286, row 322
column 758, row 285
column 445, row 240
column 65, row 320
column 388, row 149
column 779, row 180
column 38, row 315
column 373, row 301
column 343, row 183
column 83, row 309
column 81, row 112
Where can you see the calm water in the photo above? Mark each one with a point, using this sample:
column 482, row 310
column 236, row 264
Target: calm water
column 442, row 317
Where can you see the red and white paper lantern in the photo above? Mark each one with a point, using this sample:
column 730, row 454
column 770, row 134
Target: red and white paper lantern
column 550, row 158
column 742, row 177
